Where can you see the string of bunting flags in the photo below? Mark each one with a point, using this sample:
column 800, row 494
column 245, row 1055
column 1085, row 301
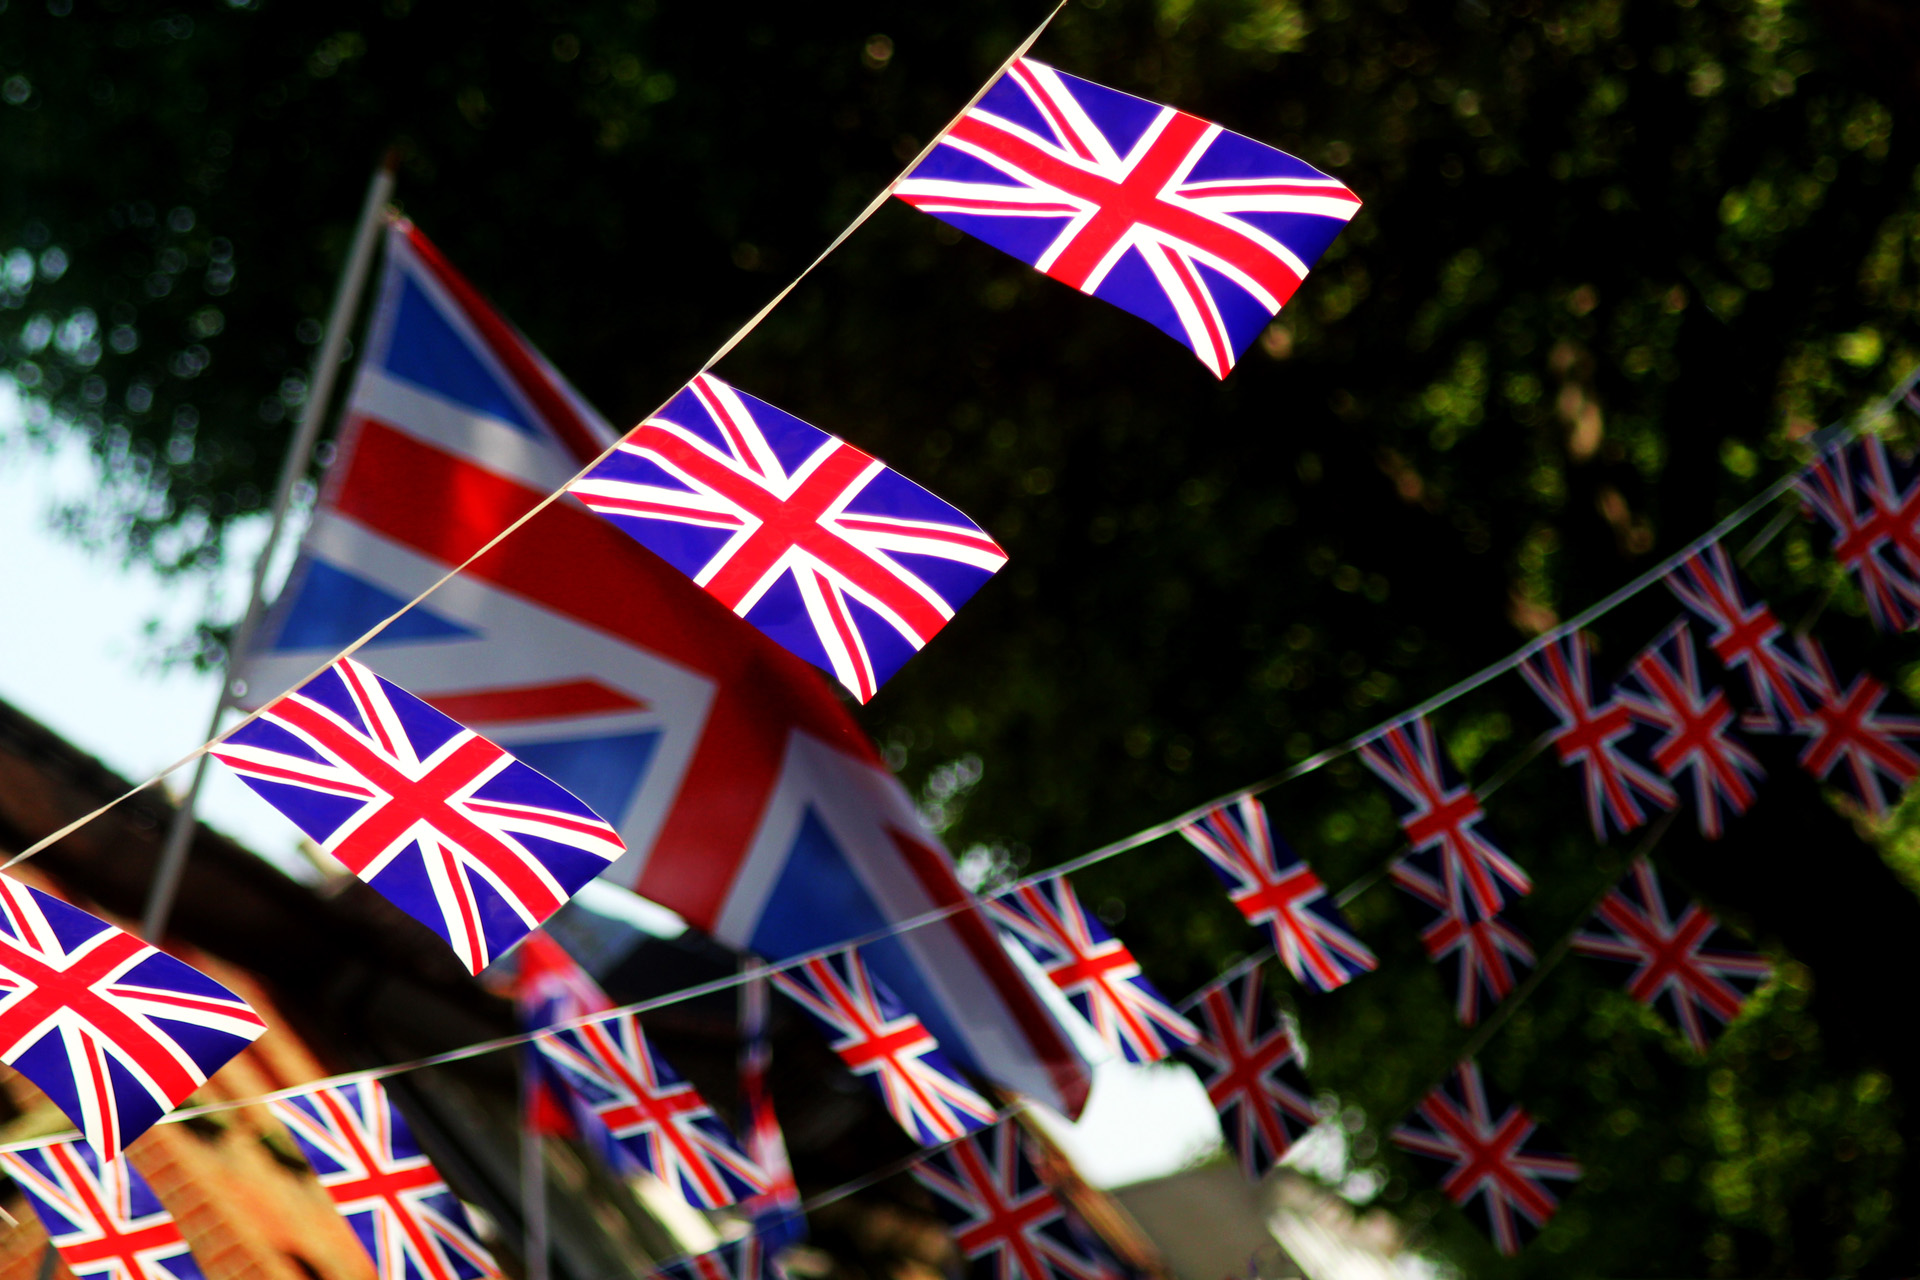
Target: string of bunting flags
column 853, row 567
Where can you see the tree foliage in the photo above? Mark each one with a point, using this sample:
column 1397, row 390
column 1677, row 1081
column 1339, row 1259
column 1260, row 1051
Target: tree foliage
column 1616, row 260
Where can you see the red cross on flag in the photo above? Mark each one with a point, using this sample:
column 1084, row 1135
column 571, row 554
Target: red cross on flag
column 1622, row 793
column 100, row 1215
column 1248, row 1058
column 1006, row 1222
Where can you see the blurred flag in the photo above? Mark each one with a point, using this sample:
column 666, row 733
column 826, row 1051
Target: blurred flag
column 101, row 1216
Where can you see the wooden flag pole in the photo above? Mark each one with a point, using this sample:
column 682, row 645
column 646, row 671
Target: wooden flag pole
column 313, row 415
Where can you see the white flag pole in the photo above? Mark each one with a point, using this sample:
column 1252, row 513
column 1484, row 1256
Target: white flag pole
column 313, row 416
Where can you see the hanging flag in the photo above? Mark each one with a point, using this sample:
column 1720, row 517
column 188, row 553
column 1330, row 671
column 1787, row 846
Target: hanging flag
column 1495, row 1167
column 1439, row 812
column 838, row 558
column 1006, row 1222
column 1478, row 956
column 1278, row 892
column 742, row 1259
column 101, row 1216
column 1746, row 637
column 365, row 1155
column 474, row 844
column 662, row 1124
column 750, row 800
column 1622, row 793
column 550, row 988
column 1093, row 969
column 776, row 1213
column 1248, row 1059
column 114, row 1032
column 1684, row 965
column 1198, row 230
column 1871, row 503
column 1692, row 739
column 879, row 1039
column 1869, row 754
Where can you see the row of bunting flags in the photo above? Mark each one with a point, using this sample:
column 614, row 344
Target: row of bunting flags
column 853, row 567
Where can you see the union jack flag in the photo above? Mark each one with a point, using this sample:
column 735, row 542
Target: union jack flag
column 1276, row 890
column 1869, row 754
column 1621, row 791
column 469, row 841
column 1438, row 811
column 1477, row 955
column 114, row 1032
column 1494, row 1167
column 741, row 1259
column 1694, row 727
column 365, row 1155
column 1872, row 505
column 1200, row 231
column 839, row 559
column 101, row 1216
column 1746, row 637
column 1007, row 1223
column 550, row 988
column 878, row 1038
column 1093, row 969
column 1248, row 1058
column 658, row 1119
column 1685, row 965
column 776, row 1213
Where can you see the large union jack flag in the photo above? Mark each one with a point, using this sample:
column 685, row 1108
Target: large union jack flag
column 1440, row 812
column 877, row 1037
column 1006, row 1222
column 114, row 1032
column 1093, row 969
column 1691, row 735
column 101, row 1216
column 1196, row 229
column 1479, row 956
column 1622, row 793
column 1871, row 503
column 1276, row 890
column 365, row 1155
column 1494, row 1166
column 1870, row 754
column 838, row 558
column 1248, row 1058
column 663, row 1125
column 474, row 844
column 1746, row 637
column 1684, row 964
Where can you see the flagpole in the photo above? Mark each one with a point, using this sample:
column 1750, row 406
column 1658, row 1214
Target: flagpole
column 313, row 416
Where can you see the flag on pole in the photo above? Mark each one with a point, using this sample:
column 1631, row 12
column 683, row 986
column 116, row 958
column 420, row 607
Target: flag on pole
column 749, row 799
column 101, row 1216
column 114, row 1032
column 1200, row 231
column 476, row 845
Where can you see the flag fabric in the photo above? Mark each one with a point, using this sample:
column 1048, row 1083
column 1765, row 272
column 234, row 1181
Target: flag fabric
column 1248, row 1059
column 776, row 1214
column 1093, row 969
column 1690, row 733
column 476, row 845
column 741, row 1259
column 365, row 1155
column 1439, row 812
column 1870, row 754
column 1745, row 637
column 662, row 1124
column 1871, row 504
column 878, row 1038
column 550, row 988
column 1276, row 890
column 750, row 800
column 835, row 556
column 114, row 1032
column 101, row 1216
column 1492, row 1160
column 1480, row 957
column 1683, row 963
column 1006, row 1222
column 1622, row 793
column 1198, row 230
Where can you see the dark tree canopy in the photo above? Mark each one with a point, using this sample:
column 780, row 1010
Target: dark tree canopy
column 1616, row 261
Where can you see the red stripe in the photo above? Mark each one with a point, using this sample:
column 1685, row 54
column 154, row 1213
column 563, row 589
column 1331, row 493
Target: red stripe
column 555, row 701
